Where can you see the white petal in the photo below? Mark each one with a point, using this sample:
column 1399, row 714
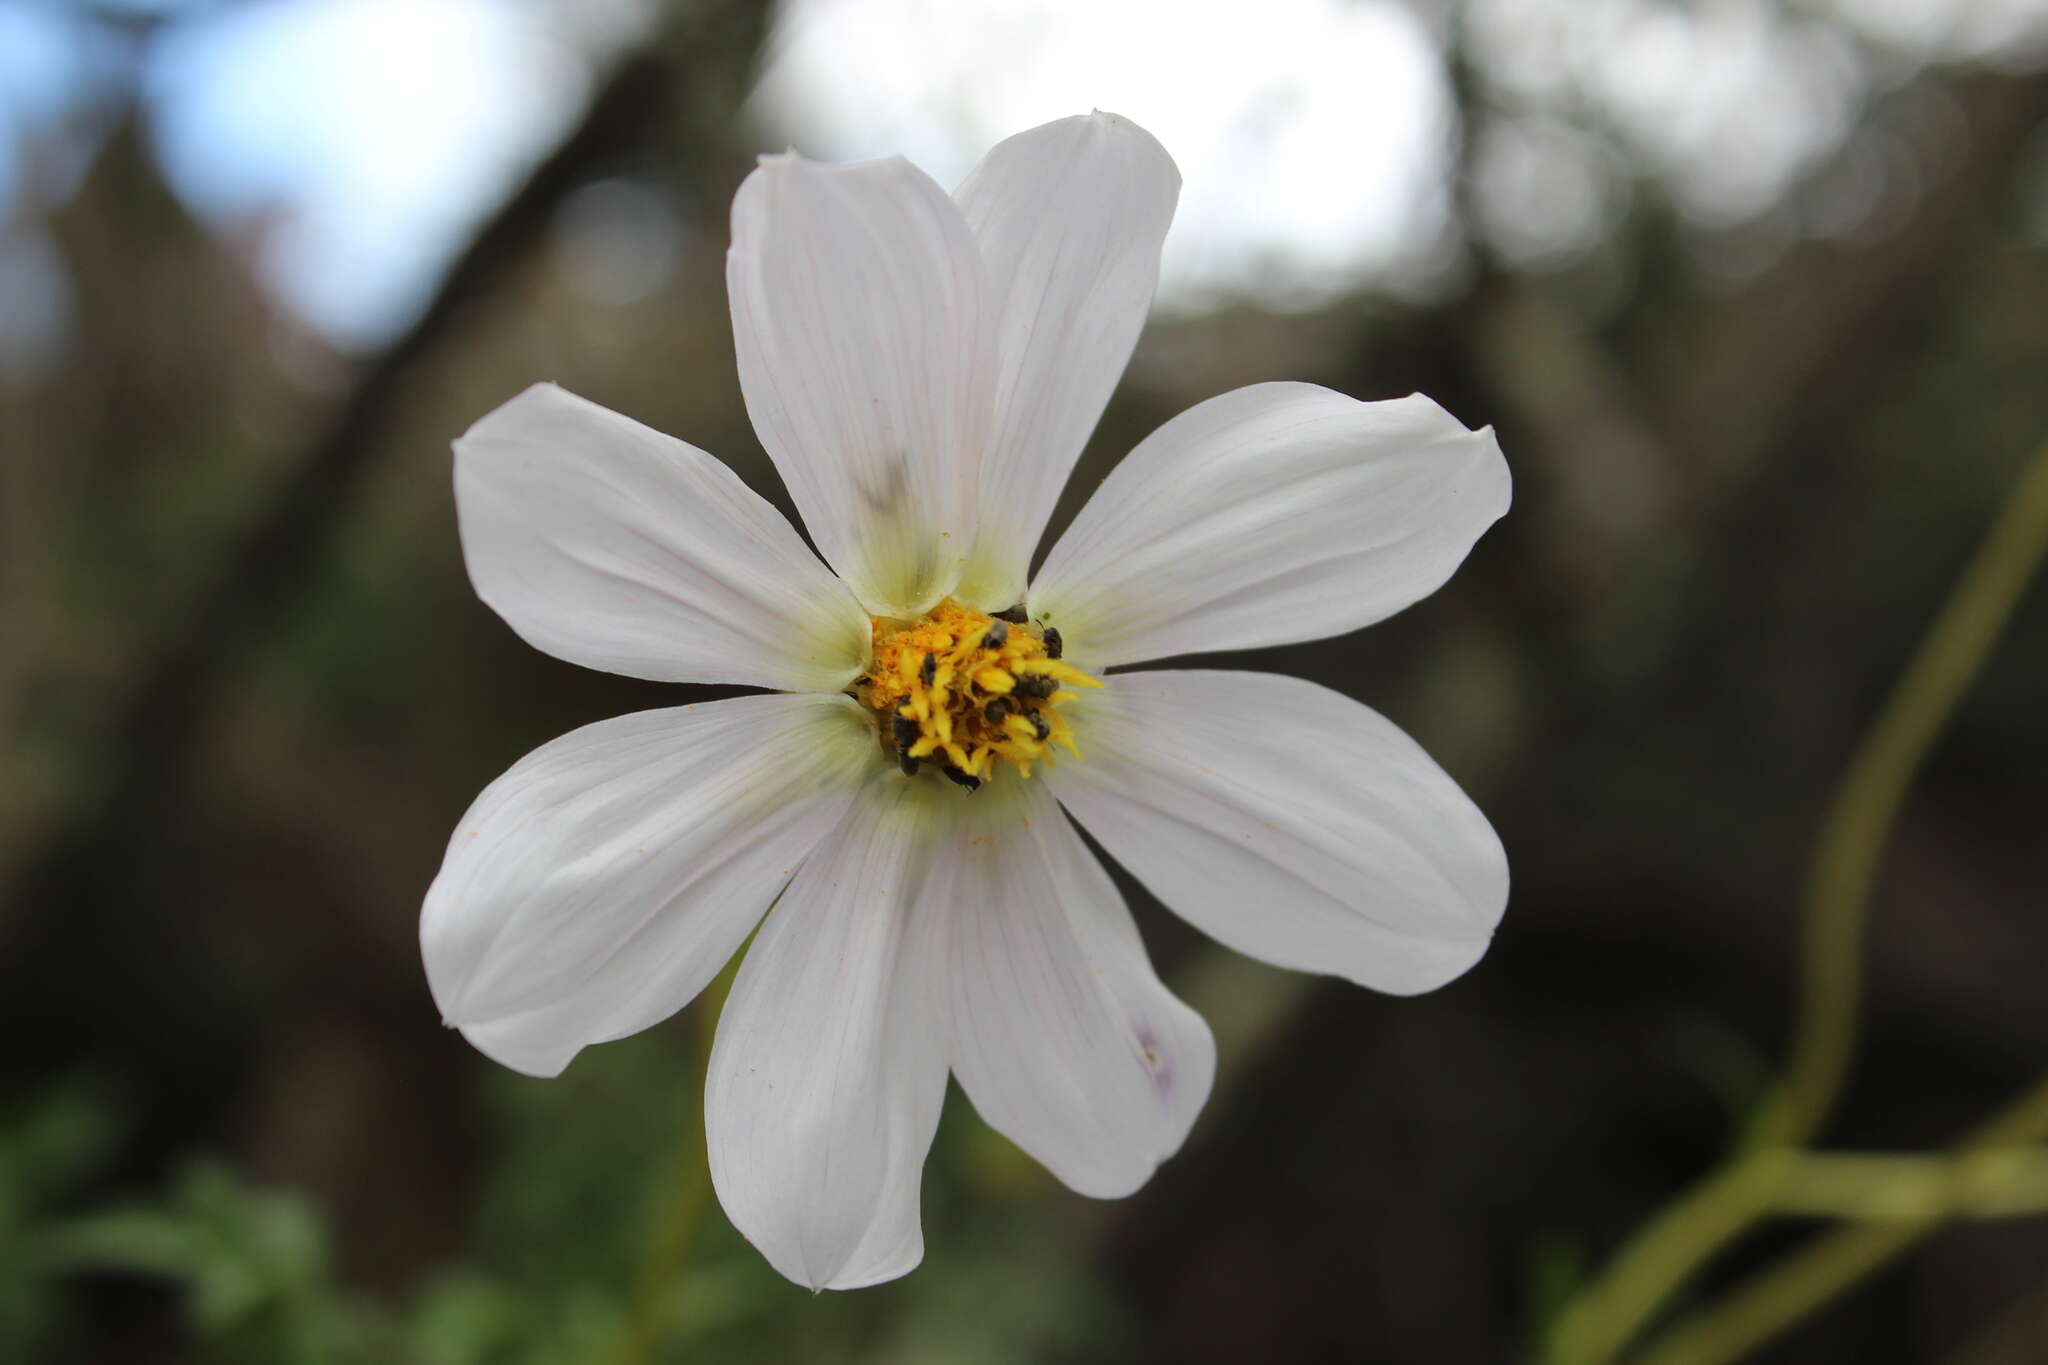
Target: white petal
column 830, row 1065
column 858, row 305
column 610, row 545
column 600, row 883
column 1062, row 1035
column 1070, row 217
column 1273, row 513
column 1289, row 822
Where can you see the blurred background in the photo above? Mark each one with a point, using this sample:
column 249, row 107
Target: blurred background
column 1756, row 295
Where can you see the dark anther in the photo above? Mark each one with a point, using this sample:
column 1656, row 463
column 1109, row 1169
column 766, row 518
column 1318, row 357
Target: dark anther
column 1038, row 724
column 905, row 729
column 907, row 763
column 1015, row 615
column 929, row 669
column 1052, row 643
column 997, row 633
column 954, row 775
column 1036, row 685
column 994, row 712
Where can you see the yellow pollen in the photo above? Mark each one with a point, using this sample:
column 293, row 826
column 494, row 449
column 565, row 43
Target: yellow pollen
column 965, row 691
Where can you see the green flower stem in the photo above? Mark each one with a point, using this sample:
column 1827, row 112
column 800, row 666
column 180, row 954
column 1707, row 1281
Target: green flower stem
column 1997, row 1182
column 657, row 1293
column 1661, row 1256
column 1773, row 1300
column 1652, row 1266
column 1867, row 802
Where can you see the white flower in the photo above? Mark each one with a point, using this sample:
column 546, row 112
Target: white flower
column 924, row 371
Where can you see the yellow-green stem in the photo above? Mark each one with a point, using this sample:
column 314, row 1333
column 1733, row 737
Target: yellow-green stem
column 1867, row 802
column 1775, row 1299
column 1654, row 1264
column 1875, row 1187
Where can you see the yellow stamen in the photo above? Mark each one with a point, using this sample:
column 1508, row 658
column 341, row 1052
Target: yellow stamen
column 969, row 692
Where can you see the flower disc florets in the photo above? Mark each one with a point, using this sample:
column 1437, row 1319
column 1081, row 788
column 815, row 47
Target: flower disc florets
column 966, row 690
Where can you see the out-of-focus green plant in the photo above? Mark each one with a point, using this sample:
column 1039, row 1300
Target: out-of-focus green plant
column 48, row 1149
column 1767, row 1173
column 595, row 1239
column 254, row 1265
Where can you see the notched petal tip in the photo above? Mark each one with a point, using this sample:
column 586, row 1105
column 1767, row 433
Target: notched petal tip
column 1497, row 470
column 1454, row 958
column 499, row 1042
column 792, row 163
column 1099, row 129
column 519, row 407
column 864, row 1274
column 789, row 158
column 1478, row 446
column 1489, row 488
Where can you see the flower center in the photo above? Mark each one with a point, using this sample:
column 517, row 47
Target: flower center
column 964, row 691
